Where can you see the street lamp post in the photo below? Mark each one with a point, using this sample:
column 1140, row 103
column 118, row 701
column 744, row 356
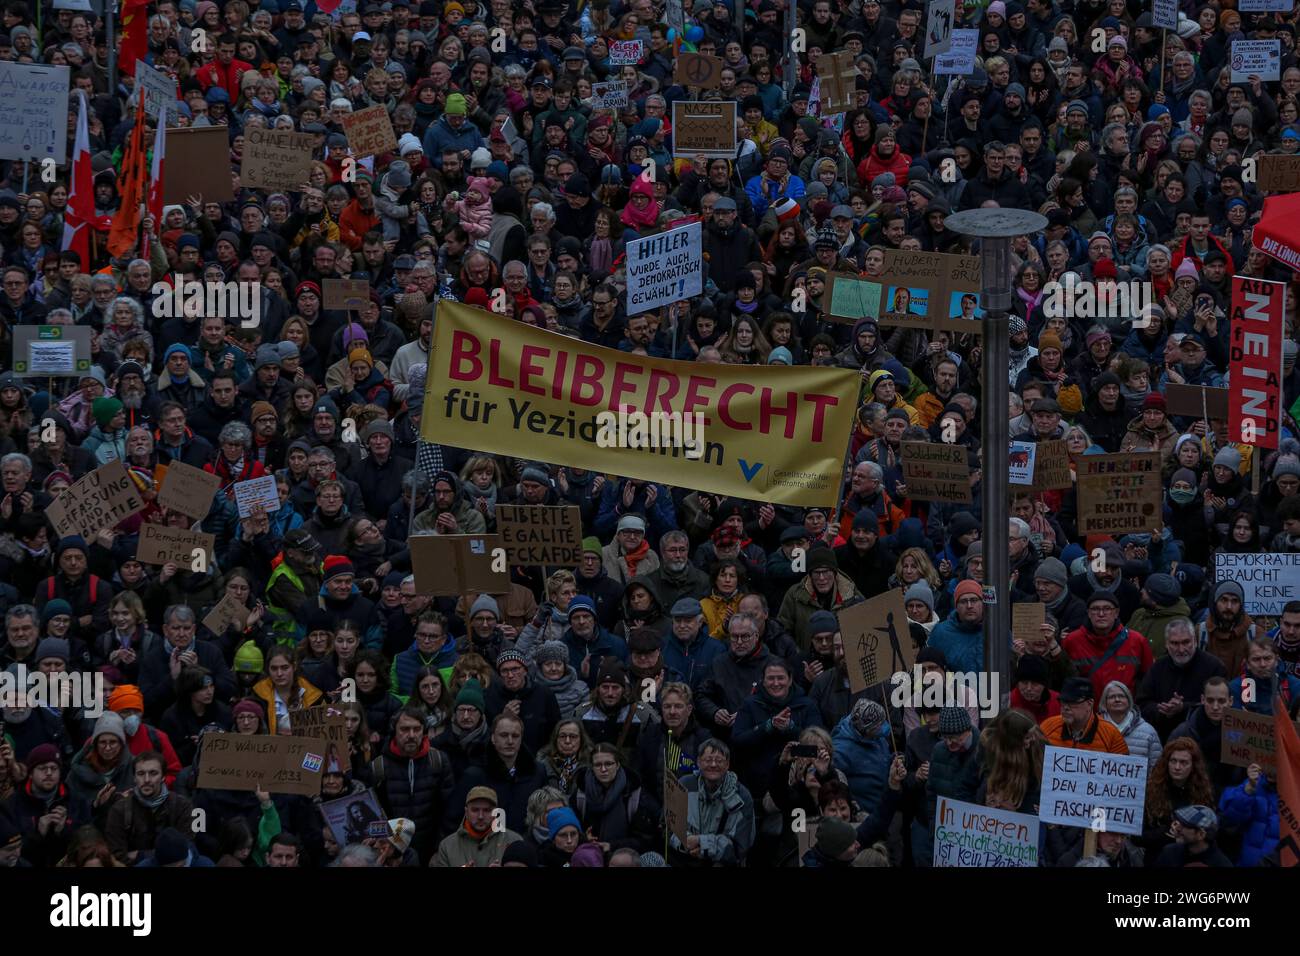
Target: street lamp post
column 995, row 228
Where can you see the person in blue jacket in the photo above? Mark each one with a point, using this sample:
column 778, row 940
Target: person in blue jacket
column 587, row 641
column 453, row 130
column 1251, row 809
column 689, row 650
column 863, row 752
column 961, row 634
column 1265, row 675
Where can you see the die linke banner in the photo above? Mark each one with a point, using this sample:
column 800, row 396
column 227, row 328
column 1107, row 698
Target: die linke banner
column 1255, row 361
column 767, row 433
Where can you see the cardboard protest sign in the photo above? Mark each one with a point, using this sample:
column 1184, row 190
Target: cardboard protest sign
column 609, row 96
column 352, row 818
column 34, row 111
column 1164, row 14
column 934, row 471
column 676, row 806
column 1245, row 6
column 1052, row 466
column 188, row 490
column 540, row 395
column 935, row 290
column 1020, row 462
column 275, row 159
column 369, row 132
column 1247, row 738
column 1275, row 172
column 1081, row 787
column 877, row 640
column 838, row 76
column 448, row 565
column 1196, row 401
column 624, row 52
column 330, row 726
column 98, row 500
column 848, row 298
column 41, row 351
column 938, row 27
column 190, row 169
column 275, row 763
column 1268, row 581
column 665, row 268
column 1027, row 621
column 537, row 536
column 1262, row 58
column 160, row 97
column 969, row 835
column 256, row 491
column 352, row 294
column 229, row 610
column 1119, row 494
column 698, row 69
column 707, row 129
column 161, row 545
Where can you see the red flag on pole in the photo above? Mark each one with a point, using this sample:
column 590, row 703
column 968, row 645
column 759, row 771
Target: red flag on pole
column 78, row 220
column 134, row 44
column 154, row 204
column 1288, row 785
column 122, row 238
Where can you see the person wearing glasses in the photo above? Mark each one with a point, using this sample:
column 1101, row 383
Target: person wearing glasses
column 615, row 810
column 719, row 815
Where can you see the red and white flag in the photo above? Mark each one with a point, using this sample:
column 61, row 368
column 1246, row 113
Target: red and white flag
column 79, row 217
column 154, row 202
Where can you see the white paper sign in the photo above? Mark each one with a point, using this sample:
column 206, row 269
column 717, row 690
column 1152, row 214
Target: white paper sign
column 609, row 96
column 1268, row 581
column 960, row 58
column 1164, row 14
column 938, row 27
column 249, row 493
column 1263, row 6
column 159, row 92
column 1262, row 58
column 52, row 358
column 623, row 52
column 968, row 835
column 1021, row 462
column 34, row 112
column 1083, row 788
column 665, row 268
column 81, row 5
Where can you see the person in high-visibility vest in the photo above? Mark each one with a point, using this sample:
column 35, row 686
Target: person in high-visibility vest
column 295, row 578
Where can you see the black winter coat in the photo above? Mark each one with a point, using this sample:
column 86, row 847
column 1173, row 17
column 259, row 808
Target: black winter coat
column 417, row 788
column 512, row 791
column 538, row 709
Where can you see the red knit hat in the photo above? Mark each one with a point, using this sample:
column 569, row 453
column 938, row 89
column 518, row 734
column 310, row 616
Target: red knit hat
column 1105, row 269
column 478, row 297
column 966, row 587
column 336, row 564
column 1154, row 400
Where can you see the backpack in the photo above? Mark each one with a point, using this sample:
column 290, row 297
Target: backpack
column 380, row 774
column 49, row 588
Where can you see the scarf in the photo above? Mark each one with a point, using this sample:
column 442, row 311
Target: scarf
column 477, row 835
column 156, row 802
column 467, row 738
column 490, row 495
column 749, row 308
column 566, row 769
column 607, row 802
column 634, row 558
column 1030, row 299
column 640, row 218
column 601, row 256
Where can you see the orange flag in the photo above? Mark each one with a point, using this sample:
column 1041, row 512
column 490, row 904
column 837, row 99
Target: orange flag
column 123, row 237
column 1288, row 785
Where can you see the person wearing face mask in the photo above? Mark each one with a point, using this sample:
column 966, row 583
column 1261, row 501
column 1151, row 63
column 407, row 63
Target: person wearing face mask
column 1184, row 514
column 128, row 703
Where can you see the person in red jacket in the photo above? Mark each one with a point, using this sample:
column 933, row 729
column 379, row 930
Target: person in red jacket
column 225, row 70
column 885, row 157
column 1198, row 242
column 128, row 703
column 1104, row 650
column 1031, row 692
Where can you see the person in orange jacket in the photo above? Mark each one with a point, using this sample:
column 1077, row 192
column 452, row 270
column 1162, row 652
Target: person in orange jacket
column 1078, row 726
column 867, row 490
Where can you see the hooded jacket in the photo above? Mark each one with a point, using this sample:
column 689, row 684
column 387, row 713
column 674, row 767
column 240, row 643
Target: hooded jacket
column 962, row 644
column 469, row 520
column 723, row 819
column 800, row 604
column 865, row 761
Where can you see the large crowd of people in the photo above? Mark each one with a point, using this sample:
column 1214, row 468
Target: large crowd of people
column 698, row 637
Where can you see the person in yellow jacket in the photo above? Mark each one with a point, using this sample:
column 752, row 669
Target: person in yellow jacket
column 729, row 580
column 883, row 388
column 284, row 691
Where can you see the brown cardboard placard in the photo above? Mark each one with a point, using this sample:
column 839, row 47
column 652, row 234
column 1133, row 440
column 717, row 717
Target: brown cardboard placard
column 537, row 536
column 934, row 471
column 275, row 763
column 353, row 294
column 838, row 76
column 698, row 69
column 329, row 725
column 1119, row 494
column 943, row 280
column 1247, row 738
column 1276, row 172
column 448, row 565
column 1052, row 466
column 1026, row 620
column 706, row 128
column 229, row 610
column 676, row 806
column 369, row 132
column 160, row 545
column 1197, row 401
column 190, row 167
column 274, row 159
column 98, row 500
column 877, row 640
column 188, row 490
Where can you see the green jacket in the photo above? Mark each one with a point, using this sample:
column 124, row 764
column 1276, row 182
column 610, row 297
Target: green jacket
column 799, row 606
column 1151, row 622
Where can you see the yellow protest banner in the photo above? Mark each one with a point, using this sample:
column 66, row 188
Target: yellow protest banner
column 769, row 433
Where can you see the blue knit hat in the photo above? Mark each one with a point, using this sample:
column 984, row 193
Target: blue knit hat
column 582, row 603
column 558, row 819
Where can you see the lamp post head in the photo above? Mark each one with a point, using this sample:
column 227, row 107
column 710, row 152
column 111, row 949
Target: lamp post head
column 996, row 227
